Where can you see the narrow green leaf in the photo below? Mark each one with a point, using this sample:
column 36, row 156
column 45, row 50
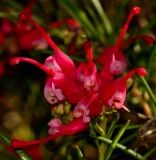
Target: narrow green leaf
column 103, row 16
column 115, row 140
column 151, row 60
column 150, row 152
column 129, row 138
column 23, row 155
column 136, row 126
column 80, row 16
column 79, row 153
column 121, row 147
column 113, row 125
column 5, row 139
column 97, row 24
column 151, row 94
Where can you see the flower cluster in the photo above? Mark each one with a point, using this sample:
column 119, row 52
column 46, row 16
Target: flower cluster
column 89, row 90
column 22, row 32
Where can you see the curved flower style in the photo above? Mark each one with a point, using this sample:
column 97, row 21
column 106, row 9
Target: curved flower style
column 112, row 58
column 83, row 86
column 117, row 62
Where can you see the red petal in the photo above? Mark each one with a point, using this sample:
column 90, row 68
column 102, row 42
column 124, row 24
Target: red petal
column 71, row 88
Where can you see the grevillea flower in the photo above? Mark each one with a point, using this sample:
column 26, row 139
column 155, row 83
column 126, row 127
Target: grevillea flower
column 58, row 63
column 112, row 57
column 115, row 93
column 28, row 37
column 102, row 59
column 83, row 87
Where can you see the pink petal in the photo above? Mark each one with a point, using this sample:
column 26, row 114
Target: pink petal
column 51, row 63
column 53, row 95
column 55, row 126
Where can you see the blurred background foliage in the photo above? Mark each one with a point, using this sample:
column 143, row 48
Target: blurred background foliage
column 24, row 112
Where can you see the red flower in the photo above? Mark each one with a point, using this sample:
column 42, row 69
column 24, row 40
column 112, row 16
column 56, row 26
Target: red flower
column 27, row 36
column 115, row 93
column 112, row 58
column 83, row 86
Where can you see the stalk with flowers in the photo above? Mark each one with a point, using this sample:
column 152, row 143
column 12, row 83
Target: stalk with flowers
column 94, row 89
